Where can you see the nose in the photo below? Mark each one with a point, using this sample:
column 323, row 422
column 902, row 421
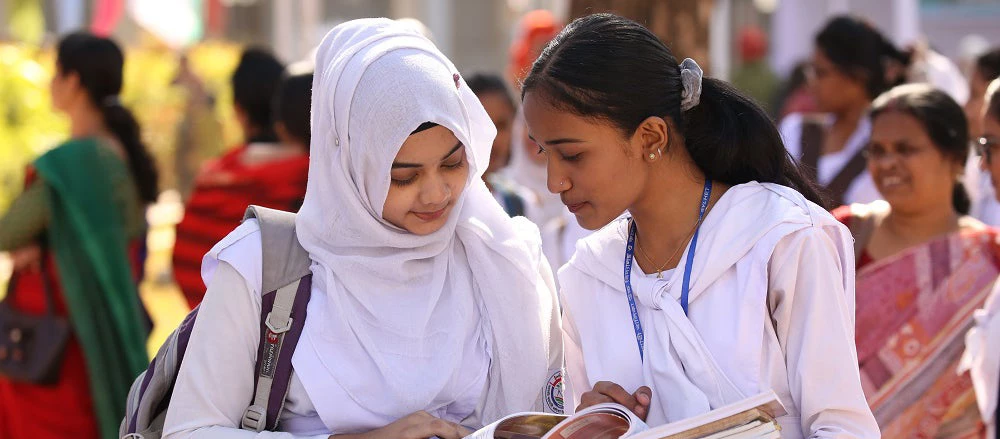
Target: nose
column 556, row 178
column 435, row 191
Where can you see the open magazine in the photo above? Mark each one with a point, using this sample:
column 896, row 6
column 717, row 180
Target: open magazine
column 751, row 418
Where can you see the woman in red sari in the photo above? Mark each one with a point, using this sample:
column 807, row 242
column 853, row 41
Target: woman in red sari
column 923, row 268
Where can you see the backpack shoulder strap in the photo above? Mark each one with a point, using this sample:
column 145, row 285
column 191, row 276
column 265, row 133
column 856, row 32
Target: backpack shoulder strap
column 284, row 259
column 288, row 282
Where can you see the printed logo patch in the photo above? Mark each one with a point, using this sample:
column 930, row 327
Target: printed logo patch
column 554, row 393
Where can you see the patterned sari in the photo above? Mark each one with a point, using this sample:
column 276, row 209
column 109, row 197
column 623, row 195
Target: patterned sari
column 913, row 310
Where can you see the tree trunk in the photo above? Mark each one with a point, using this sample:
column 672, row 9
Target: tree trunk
column 681, row 24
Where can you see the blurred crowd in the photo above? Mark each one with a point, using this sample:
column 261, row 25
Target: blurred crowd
column 880, row 128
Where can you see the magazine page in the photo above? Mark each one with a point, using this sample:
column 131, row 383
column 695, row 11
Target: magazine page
column 526, row 425
column 750, row 418
column 601, row 421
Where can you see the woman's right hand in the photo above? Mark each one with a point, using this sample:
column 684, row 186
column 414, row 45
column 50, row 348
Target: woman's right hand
column 417, row 425
column 606, row 391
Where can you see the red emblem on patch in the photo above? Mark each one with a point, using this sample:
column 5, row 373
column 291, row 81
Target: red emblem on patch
column 272, row 337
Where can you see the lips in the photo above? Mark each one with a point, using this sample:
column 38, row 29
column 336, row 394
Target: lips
column 575, row 207
column 431, row 216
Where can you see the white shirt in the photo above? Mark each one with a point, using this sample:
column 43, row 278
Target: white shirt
column 216, row 380
column 771, row 307
column 862, row 189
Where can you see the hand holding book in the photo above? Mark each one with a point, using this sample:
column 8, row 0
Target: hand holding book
column 607, row 391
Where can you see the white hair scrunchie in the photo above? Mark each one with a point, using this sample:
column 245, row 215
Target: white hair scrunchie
column 691, row 75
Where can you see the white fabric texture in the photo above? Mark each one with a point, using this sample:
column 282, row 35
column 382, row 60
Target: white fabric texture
column 982, row 359
column 862, row 189
column 771, row 307
column 394, row 303
column 216, row 381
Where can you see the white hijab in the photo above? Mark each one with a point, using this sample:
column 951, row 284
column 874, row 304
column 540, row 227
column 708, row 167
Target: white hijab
column 387, row 292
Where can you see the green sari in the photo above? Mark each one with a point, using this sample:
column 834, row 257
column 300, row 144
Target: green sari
column 87, row 236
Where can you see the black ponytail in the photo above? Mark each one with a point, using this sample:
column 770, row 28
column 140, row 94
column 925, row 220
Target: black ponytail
column 122, row 124
column 98, row 62
column 614, row 69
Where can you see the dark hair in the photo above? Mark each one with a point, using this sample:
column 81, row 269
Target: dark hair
column 254, row 82
column 988, row 64
column 486, row 83
column 98, row 63
column 424, row 127
column 292, row 104
column 607, row 67
column 943, row 120
column 861, row 51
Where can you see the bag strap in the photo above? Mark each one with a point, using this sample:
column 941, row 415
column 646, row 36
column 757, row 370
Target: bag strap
column 813, row 135
column 839, row 185
column 285, row 264
column 50, row 300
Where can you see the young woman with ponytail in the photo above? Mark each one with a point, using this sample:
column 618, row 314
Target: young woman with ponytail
column 852, row 64
column 77, row 233
column 726, row 277
column 923, row 267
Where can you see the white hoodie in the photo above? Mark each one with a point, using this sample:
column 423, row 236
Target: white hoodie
column 771, row 307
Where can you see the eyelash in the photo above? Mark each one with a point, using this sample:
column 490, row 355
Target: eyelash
column 568, row 158
column 409, row 181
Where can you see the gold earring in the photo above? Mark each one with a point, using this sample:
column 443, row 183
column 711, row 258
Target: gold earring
column 652, row 156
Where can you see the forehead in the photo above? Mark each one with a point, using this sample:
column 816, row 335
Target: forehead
column 895, row 126
column 546, row 122
column 427, row 147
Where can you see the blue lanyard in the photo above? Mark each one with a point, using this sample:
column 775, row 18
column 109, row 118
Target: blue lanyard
column 685, row 286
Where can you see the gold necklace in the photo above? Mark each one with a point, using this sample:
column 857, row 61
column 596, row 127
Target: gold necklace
column 659, row 271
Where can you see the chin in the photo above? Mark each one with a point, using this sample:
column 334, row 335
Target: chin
column 592, row 221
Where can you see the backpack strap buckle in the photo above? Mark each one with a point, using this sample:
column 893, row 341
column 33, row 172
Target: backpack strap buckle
column 254, row 418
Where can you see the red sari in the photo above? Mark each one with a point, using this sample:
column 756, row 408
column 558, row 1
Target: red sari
column 913, row 311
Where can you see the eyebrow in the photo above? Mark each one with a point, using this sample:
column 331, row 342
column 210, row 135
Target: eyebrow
column 397, row 165
column 561, row 141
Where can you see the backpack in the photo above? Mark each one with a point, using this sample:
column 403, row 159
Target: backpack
column 286, row 277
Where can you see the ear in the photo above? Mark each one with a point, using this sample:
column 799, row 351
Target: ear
column 652, row 138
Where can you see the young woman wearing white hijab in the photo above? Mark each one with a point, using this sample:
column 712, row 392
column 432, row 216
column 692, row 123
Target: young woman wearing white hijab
column 431, row 309
column 728, row 280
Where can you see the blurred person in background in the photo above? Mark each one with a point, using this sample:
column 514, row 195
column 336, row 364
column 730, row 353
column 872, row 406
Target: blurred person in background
column 199, row 133
column 754, row 76
column 77, row 233
column 923, row 267
column 795, row 96
column 985, row 207
column 499, row 104
column 852, row 64
column 264, row 171
column 982, row 343
column 535, row 30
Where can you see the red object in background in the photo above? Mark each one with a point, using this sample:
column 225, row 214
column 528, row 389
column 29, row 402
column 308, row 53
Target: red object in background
column 107, row 13
column 536, row 29
column 215, row 21
column 753, row 44
column 222, row 192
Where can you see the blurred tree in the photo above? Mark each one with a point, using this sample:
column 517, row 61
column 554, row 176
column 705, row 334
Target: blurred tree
column 681, row 24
